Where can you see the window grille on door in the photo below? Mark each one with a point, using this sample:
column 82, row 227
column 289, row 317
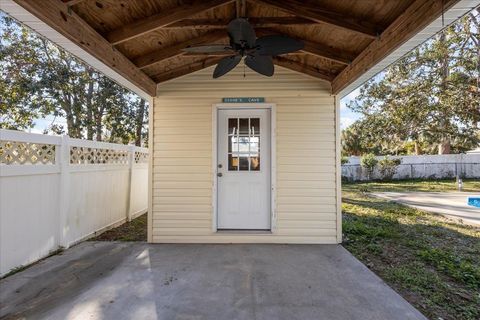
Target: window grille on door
column 244, row 144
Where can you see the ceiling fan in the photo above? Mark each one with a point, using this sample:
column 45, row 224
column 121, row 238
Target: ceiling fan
column 257, row 53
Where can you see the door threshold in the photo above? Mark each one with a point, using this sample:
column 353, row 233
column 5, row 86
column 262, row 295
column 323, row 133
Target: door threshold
column 245, row 231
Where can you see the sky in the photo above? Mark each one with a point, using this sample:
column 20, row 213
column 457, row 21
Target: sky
column 347, row 116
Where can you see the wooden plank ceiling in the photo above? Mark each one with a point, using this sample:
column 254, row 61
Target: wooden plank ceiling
column 143, row 39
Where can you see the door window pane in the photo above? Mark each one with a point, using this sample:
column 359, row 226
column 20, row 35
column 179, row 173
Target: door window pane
column 244, row 126
column 255, row 163
column 243, row 164
column 233, row 144
column 232, row 163
column 232, row 126
column 255, row 126
column 244, row 144
column 254, row 146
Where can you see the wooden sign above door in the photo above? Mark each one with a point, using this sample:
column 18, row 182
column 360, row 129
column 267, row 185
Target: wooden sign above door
column 244, row 100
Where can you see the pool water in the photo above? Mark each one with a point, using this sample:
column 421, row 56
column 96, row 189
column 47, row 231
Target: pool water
column 474, row 201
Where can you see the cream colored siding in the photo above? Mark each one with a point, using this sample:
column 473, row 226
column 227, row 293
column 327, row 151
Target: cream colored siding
column 305, row 195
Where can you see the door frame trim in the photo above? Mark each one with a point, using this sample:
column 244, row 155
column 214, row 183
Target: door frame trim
column 273, row 158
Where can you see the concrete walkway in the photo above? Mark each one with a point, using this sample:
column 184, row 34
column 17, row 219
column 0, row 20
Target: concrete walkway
column 109, row 280
column 450, row 204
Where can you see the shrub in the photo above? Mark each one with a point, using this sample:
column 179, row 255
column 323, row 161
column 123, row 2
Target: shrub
column 368, row 162
column 388, row 167
column 344, row 160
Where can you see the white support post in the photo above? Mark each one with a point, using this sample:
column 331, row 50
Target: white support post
column 338, row 169
column 64, row 190
column 131, row 161
column 151, row 109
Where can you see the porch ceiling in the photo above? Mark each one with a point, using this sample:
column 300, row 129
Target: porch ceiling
column 142, row 40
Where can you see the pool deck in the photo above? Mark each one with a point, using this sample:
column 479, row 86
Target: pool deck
column 449, row 204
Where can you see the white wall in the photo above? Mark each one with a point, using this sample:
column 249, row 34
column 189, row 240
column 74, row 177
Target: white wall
column 424, row 166
column 306, row 206
column 67, row 197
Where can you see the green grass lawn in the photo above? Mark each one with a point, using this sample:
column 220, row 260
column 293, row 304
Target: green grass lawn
column 431, row 261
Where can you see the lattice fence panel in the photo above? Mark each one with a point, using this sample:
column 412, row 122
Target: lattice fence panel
column 85, row 155
column 141, row 157
column 13, row 152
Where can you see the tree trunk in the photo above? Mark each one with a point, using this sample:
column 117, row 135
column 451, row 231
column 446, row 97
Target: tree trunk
column 98, row 127
column 89, row 105
column 418, row 150
column 444, row 147
column 139, row 123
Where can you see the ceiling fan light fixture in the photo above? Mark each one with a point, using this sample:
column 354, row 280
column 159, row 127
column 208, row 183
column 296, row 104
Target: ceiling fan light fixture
column 256, row 52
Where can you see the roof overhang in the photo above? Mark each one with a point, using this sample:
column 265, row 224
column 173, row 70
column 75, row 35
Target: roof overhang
column 57, row 21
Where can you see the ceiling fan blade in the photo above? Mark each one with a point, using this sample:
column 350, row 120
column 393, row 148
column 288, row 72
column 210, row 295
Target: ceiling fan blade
column 208, row 48
column 241, row 31
column 260, row 64
column 225, row 65
column 274, row 45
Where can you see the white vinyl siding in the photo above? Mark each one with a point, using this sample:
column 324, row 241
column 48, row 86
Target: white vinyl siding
column 306, row 194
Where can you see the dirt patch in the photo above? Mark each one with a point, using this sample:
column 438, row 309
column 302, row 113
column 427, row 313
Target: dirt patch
column 135, row 230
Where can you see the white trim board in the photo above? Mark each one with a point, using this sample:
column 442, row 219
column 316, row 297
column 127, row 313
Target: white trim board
column 450, row 16
column 19, row 13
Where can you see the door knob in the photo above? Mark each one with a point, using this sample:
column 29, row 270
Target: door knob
column 219, row 174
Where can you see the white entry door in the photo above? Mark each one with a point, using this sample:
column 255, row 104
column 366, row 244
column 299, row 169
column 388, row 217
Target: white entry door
column 243, row 169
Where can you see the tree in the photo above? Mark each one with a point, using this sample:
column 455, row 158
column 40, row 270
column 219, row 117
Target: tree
column 20, row 102
column 429, row 99
column 40, row 79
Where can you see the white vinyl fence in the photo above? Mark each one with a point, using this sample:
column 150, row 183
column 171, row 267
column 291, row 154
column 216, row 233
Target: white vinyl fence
column 420, row 167
column 57, row 191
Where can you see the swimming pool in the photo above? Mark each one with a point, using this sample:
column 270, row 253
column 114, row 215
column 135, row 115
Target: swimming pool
column 474, row 201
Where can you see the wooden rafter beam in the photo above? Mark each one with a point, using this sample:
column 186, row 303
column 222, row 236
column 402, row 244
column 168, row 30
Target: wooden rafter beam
column 57, row 15
column 316, row 49
column 327, row 52
column 419, row 15
column 176, row 49
column 265, row 22
column 72, row 2
column 162, row 19
column 186, row 69
column 314, row 12
column 303, row 68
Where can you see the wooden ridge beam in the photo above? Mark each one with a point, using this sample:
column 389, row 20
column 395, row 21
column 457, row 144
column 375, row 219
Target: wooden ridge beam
column 311, row 11
column 264, row 22
column 186, row 69
column 316, row 49
column 176, row 49
column 241, row 8
column 162, row 19
column 303, row 68
column 419, row 15
column 58, row 16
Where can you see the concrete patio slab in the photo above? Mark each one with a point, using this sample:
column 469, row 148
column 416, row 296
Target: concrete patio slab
column 111, row 280
column 450, row 204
